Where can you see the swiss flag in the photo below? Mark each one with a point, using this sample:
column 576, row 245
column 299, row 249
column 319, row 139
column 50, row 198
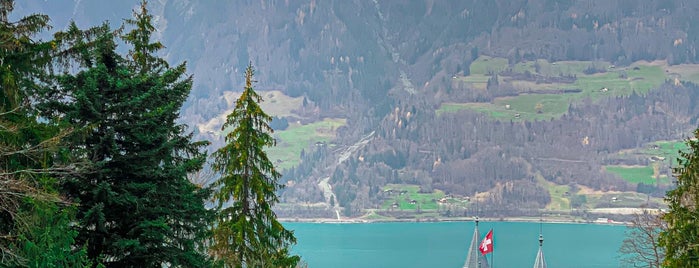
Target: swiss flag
column 487, row 243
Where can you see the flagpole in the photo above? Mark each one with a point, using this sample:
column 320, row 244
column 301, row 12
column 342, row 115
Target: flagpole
column 492, row 250
column 492, row 263
column 479, row 259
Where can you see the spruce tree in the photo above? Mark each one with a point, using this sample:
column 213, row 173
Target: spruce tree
column 681, row 238
column 137, row 208
column 34, row 220
column 247, row 233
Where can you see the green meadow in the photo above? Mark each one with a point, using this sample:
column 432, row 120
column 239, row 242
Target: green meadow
column 298, row 137
column 426, row 201
column 622, row 199
column 291, row 141
column 636, row 174
column 476, row 81
column 661, row 154
column 670, row 150
column 612, row 81
column 559, row 198
column 485, row 64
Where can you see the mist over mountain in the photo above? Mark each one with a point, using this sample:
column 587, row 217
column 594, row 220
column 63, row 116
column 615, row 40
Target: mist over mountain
column 550, row 95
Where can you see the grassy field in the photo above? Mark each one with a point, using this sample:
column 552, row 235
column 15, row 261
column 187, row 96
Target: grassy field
column 640, row 174
column 668, row 149
column 684, row 72
column 426, row 201
column 371, row 215
column 274, row 102
column 477, row 81
column 615, row 81
column 298, row 137
column 559, row 198
column 663, row 154
column 290, row 141
column 639, row 78
column 519, row 106
column 552, row 105
column 485, row 64
column 623, row 199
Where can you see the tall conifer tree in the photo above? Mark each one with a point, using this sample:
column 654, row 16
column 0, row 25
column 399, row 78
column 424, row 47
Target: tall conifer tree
column 34, row 220
column 247, row 233
column 681, row 238
column 137, row 208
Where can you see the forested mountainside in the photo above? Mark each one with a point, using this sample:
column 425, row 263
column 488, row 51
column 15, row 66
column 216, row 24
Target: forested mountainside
column 550, row 95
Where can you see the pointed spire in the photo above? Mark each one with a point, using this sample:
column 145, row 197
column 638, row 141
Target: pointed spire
column 540, row 262
column 475, row 259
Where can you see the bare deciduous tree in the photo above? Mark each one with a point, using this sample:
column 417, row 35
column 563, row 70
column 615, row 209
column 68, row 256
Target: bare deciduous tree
column 640, row 248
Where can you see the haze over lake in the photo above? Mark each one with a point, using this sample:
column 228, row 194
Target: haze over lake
column 445, row 244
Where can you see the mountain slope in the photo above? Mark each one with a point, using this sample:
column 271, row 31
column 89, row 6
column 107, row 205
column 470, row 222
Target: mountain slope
column 557, row 97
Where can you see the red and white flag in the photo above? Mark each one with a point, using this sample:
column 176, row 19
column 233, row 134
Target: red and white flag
column 487, row 243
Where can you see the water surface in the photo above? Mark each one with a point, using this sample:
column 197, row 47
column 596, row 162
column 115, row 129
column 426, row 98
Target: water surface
column 445, row 244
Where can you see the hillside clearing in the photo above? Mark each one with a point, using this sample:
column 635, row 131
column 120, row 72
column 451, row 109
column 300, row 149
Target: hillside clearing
column 538, row 104
column 298, row 137
column 291, row 141
column 408, row 197
column 559, row 194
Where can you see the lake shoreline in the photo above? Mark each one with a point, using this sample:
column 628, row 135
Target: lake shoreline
column 600, row 221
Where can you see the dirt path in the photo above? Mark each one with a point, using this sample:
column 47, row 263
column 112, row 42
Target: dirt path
column 562, row 160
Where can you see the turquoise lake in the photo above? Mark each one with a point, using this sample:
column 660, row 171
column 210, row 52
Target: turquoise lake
column 445, row 244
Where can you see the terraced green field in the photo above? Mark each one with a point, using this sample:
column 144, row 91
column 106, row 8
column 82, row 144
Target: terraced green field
column 539, row 105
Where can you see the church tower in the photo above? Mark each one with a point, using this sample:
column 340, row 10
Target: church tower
column 540, row 261
column 475, row 259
